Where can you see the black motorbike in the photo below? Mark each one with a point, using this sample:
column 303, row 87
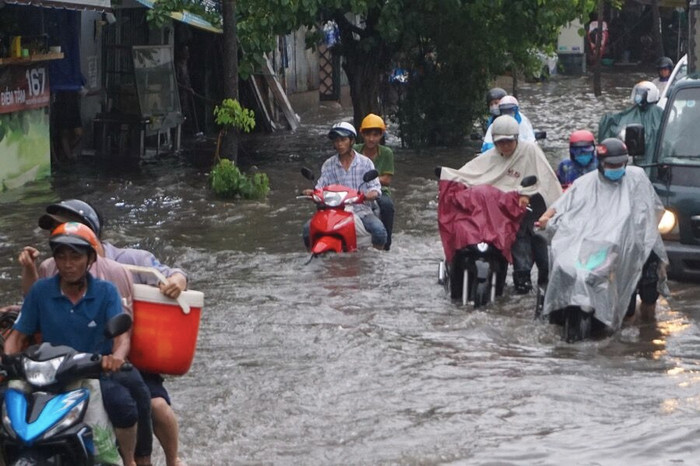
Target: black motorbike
column 477, row 272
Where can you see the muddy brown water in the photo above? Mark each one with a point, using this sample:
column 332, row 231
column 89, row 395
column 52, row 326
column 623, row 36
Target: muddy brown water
column 362, row 358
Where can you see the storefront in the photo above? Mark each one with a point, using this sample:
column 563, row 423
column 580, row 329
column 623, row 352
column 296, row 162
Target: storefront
column 40, row 63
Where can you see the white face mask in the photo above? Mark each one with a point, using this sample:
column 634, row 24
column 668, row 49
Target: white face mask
column 493, row 109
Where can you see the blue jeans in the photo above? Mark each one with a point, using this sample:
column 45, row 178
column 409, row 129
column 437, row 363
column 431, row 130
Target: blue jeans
column 127, row 401
column 372, row 224
column 386, row 214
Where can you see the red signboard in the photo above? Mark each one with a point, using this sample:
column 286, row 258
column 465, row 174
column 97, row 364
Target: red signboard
column 24, row 88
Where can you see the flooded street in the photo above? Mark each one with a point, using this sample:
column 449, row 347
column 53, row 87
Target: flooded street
column 362, row 358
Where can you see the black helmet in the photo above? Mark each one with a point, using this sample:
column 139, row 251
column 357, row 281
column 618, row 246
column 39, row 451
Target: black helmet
column 495, row 93
column 71, row 210
column 664, row 62
column 611, row 150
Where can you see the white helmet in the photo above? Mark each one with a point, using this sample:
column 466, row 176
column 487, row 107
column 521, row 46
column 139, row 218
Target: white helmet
column 505, row 127
column 508, row 103
column 342, row 130
column 645, row 92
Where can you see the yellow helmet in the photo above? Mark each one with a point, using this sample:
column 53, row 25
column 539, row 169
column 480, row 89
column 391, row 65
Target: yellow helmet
column 372, row 121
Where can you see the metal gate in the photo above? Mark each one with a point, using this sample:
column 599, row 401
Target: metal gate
column 329, row 64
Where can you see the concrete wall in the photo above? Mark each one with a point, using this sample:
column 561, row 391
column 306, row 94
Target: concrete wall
column 301, row 77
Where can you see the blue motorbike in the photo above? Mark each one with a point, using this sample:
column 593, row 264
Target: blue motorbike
column 43, row 413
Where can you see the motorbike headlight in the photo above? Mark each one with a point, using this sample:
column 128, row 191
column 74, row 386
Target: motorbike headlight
column 334, row 199
column 73, row 416
column 41, row 373
column 668, row 223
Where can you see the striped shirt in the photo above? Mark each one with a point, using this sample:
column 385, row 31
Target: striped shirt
column 332, row 172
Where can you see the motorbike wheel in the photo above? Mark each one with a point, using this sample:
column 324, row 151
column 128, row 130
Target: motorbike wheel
column 482, row 292
column 577, row 325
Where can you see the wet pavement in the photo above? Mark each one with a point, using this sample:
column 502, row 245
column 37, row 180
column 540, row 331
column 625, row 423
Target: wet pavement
column 362, row 358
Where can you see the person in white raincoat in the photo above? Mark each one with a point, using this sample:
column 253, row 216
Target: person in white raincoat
column 504, row 167
column 605, row 242
column 509, row 105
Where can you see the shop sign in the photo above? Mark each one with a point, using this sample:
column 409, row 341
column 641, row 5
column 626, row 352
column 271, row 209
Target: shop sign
column 24, row 88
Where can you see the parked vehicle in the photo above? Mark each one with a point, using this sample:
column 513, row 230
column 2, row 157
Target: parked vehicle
column 46, row 403
column 674, row 170
column 335, row 227
column 477, row 228
column 679, row 72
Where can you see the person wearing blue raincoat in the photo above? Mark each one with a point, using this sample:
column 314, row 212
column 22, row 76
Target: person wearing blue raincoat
column 508, row 105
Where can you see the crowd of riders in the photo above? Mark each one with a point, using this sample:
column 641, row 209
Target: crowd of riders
column 68, row 299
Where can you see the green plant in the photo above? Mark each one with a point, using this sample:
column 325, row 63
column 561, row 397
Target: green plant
column 231, row 114
column 227, row 181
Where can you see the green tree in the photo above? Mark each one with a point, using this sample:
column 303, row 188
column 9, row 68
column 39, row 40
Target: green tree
column 454, row 48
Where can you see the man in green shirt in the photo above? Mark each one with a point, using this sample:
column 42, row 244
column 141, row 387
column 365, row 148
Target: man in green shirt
column 372, row 130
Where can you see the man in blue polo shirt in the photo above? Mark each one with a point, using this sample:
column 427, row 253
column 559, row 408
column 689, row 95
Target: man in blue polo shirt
column 72, row 308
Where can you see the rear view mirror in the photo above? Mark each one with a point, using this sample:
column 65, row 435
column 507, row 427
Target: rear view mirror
column 370, row 175
column 307, row 173
column 117, row 325
column 540, row 135
column 528, row 181
column 634, row 139
column 476, row 137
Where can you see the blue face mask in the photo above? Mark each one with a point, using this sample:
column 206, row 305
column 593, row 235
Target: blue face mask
column 584, row 159
column 614, row 174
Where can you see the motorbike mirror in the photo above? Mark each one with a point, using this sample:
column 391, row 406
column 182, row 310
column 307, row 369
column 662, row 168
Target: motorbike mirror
column 307, row 173
column 438, row 172
column 540, row 135
column 634, row 139
column 370, row 175
column 117, row 325
column 528, row 181
column 476, row 136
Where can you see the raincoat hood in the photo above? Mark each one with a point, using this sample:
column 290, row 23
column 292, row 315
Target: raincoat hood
column 479, row 202
column 601, row 236
column 506, row 173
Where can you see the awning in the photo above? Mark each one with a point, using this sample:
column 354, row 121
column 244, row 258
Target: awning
column 187, row 18
column 97, row 5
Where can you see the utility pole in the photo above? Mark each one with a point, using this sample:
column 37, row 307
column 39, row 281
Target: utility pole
column 597, row 88
column 229, row 147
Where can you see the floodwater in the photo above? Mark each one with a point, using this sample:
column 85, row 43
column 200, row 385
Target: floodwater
column 362, row 358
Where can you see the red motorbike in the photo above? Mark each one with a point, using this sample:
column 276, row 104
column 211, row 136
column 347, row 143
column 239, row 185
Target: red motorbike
column 335, row 227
